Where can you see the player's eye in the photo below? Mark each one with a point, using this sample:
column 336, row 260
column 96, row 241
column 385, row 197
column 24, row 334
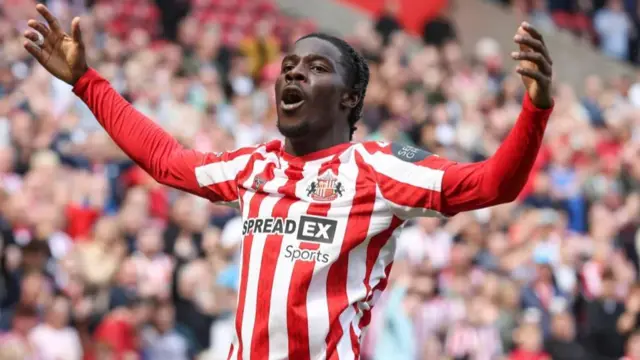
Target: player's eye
column 318, row 69
column 286, row 68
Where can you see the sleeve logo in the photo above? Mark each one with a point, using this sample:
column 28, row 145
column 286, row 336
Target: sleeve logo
column 258, row 183
column 408, row 153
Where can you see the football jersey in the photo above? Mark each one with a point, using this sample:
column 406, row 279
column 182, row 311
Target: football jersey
column 319, row 238
column 318, row 230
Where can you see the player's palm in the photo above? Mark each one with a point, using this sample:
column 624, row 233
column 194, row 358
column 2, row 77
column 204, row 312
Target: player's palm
column 61, row 54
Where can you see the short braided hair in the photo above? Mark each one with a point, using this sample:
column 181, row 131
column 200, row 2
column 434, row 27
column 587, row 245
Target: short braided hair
column 357, row 71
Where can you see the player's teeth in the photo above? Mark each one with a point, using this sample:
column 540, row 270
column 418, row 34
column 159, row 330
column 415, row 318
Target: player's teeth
column 291, row 106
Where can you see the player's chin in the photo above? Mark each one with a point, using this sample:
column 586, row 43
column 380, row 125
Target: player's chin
column 293, row 126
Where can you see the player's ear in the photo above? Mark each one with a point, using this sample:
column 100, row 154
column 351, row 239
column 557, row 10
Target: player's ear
column 350, row 99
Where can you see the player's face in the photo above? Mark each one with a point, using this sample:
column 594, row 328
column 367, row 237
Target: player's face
column 310, row 89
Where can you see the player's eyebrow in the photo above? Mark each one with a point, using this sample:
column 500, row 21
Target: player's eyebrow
column 290, row 57
column 324, row 59
column 309, row 58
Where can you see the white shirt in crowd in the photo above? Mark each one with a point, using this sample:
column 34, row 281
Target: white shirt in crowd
column 54, row 344
column 416, row 245
column 170, row 345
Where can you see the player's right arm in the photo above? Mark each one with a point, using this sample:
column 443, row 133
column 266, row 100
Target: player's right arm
column 158, row 153
column 212, row 176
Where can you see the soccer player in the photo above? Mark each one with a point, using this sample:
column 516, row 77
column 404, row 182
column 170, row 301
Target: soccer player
column 321, row 214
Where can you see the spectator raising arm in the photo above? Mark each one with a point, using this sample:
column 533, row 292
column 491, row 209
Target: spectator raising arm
column 141, row 139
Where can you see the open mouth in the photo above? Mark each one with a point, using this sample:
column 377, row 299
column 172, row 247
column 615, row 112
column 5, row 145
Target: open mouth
column 292, row 98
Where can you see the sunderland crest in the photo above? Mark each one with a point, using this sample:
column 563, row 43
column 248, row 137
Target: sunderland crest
column 325, row 188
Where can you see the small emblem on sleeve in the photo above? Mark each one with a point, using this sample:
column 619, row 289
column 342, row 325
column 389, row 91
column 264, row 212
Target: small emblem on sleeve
column 258, row 183
column 409, row 153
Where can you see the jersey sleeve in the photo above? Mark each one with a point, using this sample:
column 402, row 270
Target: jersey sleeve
column 416, row 183
column 409, row 179
column 212, row 176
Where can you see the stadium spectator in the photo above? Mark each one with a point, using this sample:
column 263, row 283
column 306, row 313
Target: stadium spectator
column 119, row 333
column 540, row 16
column 563, row 343
column 633, row 347
column 387, row 22
column 161, row 339
column 475, row 336
column 439, row 30
column 528, row 336
column 54, row 338
column 426, row 242
column 602, row 320
column 614, row 28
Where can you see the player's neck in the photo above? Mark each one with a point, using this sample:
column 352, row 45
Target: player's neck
column 305, row 146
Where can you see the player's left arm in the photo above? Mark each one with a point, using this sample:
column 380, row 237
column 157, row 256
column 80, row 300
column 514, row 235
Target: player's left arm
column 417, row 183
column 500, row 179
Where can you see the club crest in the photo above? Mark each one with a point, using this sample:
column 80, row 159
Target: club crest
column 258, row 183
column 325, row 188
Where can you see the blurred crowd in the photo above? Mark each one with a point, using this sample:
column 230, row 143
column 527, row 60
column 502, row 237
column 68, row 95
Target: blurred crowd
column 611, row 25
column 100, row 262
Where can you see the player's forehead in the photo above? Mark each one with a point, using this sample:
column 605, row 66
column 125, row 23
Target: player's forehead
column 315, row 47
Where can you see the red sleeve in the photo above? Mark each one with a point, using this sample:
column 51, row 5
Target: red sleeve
column 500, row 178
column 154, row 150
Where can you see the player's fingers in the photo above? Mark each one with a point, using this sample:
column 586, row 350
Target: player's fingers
column 534, row 44
column 39, row 27
column 34, row 50
column 532, row 31
column 75, row 30
column 51, row 20
column 536, row 75
column 527, row 40
column 537, row 58
column 31, row 35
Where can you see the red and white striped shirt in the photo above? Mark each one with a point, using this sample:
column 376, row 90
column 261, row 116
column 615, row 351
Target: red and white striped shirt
column 318, row 230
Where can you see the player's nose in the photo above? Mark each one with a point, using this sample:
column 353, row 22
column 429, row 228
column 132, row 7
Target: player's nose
column 297, row 73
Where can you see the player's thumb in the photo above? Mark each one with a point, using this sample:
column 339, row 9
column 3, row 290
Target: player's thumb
column 75, row 30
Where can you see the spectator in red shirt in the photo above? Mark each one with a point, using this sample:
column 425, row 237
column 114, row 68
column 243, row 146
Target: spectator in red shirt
column 528, row 338
column 117, row 336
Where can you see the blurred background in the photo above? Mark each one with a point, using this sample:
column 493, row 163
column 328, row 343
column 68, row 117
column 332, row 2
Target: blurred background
column 100, row 262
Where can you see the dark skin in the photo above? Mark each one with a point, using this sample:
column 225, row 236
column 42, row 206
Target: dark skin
column 314, row 71
column 315, row 67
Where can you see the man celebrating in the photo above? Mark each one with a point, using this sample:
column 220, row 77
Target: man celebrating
column 321, row 214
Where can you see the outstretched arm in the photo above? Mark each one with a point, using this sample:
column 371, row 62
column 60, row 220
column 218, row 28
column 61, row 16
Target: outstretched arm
column 501, row 178
column 416, row 183
column 208, row 175
column 148, row 145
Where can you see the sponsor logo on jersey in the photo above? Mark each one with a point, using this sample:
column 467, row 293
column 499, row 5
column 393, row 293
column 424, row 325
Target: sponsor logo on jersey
column 307, row 228
column 294, row 253
column 326, row 187
column 316, row 229
column 408, row 153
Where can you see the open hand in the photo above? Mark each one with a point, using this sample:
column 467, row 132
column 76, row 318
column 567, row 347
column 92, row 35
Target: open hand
column 62, row 55
column 535, row 65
